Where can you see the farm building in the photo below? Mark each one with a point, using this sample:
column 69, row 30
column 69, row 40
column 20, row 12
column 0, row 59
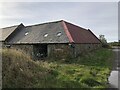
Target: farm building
column 52, row 39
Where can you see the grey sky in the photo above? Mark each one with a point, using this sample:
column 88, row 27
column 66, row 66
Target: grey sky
column 101, row 18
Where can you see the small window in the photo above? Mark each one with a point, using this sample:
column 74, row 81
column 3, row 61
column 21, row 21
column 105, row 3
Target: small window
column 59, row 34
column 26, row 33
column 45, row 35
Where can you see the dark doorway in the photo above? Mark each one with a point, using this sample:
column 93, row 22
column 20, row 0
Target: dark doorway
column 40, row 51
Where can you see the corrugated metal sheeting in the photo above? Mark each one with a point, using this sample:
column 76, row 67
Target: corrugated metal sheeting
column 42, row 33
column 81, row 35
column 52, row 32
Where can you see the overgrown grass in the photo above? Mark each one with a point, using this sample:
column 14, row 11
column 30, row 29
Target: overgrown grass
column 19, row 71
column 90, row 70
column 87, row 71
column 100, row 58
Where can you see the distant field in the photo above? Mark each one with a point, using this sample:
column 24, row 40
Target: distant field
column 87, row 71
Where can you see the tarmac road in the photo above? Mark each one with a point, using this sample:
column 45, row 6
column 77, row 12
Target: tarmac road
column 114, row 78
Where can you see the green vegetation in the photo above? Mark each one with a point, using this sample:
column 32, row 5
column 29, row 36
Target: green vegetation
column 114, row 43
column 87, row 71
column 18, row 70
column 104, row 41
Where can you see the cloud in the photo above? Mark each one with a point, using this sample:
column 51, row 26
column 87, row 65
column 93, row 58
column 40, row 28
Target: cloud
column 101, row 18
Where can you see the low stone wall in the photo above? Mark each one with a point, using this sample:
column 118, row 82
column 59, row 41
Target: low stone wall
column 27, row 49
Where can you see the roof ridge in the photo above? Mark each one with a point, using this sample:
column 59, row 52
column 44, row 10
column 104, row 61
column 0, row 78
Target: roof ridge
column 67, row 32
column 75, row 25
column 45, row 23
column 12, row 26
column 9, row 26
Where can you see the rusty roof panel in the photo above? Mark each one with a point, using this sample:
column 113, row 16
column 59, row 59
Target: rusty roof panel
column 81, row 35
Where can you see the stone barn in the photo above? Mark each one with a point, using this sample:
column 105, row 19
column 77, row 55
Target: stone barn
column 52, row 39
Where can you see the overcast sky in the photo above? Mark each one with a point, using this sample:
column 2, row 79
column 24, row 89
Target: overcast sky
column 100, row 17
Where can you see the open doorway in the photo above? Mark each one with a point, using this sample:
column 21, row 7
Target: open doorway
column 40, row 51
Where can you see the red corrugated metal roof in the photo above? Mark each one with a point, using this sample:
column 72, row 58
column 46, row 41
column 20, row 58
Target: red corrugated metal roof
column 77, row 34
column 67, row 32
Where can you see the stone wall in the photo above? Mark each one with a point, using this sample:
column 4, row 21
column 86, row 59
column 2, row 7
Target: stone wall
column 67, row 50
column 59, row 51
column 27, row 49
column 84, row 48
column 2, row 44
